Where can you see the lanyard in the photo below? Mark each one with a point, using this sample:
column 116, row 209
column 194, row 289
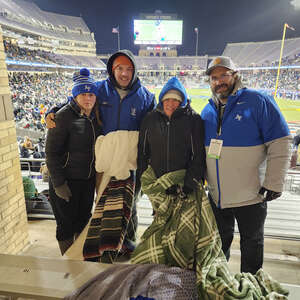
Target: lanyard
column 221, row 108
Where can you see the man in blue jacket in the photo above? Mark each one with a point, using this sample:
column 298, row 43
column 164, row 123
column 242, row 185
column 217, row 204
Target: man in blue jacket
column 247, row 143
column 123, row 102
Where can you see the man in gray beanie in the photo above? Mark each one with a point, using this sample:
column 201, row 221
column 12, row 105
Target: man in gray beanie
column 243, row 129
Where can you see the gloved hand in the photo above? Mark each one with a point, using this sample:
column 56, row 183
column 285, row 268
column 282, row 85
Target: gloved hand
column 174, row 189
column 63, row 191
column 269, row 195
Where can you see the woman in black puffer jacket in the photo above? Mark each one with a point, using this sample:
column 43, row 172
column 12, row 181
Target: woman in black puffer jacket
column 70, row 160
column 172, row 138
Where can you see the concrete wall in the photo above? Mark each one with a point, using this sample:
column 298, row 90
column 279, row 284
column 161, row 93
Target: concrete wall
column 13, row 218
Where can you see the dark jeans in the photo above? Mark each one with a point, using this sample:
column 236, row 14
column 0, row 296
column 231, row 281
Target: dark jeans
column 71, row 217
column 251, row 221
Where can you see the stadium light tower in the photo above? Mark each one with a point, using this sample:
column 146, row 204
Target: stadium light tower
column 117, row 31
column 196, row 31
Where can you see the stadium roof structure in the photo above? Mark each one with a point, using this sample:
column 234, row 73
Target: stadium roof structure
column 29, row 17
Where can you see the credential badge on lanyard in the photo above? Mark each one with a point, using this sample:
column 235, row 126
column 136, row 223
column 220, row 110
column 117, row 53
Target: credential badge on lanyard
column 215, row 147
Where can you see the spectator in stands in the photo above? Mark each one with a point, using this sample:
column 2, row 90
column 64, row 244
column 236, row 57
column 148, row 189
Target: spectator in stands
column 294, row 157
column 296, row 140
column 40, row 147
column 171, row 124
column 243, row 129
column 70, row 160
column 123, row 103
column 28, row 143
column 25, row 147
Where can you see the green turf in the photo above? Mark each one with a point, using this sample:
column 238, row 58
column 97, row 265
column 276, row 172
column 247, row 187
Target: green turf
column 289, row 108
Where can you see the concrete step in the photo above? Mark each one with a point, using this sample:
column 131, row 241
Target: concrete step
column 283, row 218
column 274, row 246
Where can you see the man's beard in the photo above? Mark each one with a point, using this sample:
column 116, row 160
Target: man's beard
column 225, row 93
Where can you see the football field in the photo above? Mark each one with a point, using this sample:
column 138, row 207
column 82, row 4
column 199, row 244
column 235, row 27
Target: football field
column 289, row 108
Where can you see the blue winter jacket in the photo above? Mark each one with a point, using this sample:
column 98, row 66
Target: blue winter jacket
column 126, row 114
column 253, row 131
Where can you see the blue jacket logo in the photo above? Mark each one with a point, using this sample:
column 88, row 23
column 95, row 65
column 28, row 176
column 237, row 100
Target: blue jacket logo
column 133, row 111
column 238, row 117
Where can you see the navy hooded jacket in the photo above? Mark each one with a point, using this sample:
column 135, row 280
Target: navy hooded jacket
column 170, row 144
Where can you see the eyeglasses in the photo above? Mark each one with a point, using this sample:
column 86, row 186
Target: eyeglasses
column 222, row 77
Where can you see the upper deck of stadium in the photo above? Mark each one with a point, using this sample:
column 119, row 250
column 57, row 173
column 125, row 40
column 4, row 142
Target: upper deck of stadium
column 263, row 53
column 28, row 17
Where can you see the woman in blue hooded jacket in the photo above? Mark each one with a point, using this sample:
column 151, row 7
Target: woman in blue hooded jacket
column 172, row 138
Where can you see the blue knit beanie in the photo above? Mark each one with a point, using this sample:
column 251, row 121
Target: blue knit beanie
column 83, row 83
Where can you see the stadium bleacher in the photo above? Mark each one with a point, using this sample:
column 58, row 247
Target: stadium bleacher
column 28, row 16
column 263, row 53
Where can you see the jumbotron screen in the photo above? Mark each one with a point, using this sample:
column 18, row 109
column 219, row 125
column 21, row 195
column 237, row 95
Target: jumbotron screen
column 157, row 32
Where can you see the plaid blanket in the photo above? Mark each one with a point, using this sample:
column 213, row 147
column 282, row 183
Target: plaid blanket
column 184, row 234
column 109, row 222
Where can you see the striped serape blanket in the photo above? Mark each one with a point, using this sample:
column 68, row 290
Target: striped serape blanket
column 184, row 234
column 109, row 222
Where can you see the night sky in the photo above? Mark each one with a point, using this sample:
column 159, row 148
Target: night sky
column 219, row 21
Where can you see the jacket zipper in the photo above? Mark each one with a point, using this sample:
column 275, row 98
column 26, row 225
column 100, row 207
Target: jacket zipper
column 219, row 132
column 193, row 154
column 192, row 144
column 145, row 137
column 92, row 147
column 168, row 144
column 119, row 113
column 119, row 110
column 67, row 160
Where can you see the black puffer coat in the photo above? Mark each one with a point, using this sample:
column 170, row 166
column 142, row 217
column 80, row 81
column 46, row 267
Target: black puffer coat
column 173, row 144
column 70, row 145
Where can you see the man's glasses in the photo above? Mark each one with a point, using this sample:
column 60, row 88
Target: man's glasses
column 222, row 77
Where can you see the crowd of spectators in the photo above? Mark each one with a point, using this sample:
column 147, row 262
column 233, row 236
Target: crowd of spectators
column 34, row 93
column 288, row 84
column 17, row 53
column 288, row 61
column 24, row 54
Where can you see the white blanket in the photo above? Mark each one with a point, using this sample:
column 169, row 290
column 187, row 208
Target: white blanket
column 116, row 153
